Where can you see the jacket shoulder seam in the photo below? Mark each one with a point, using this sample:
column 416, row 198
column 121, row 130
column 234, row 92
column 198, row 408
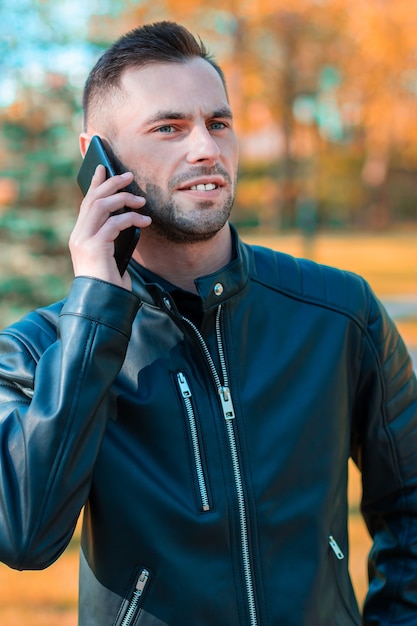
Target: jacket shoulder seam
column 311, row 276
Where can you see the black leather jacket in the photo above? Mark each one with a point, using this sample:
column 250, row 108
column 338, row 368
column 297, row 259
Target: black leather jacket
column 213, row 461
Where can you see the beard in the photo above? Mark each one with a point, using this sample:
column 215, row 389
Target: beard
column 185, row 225
column 169, row 219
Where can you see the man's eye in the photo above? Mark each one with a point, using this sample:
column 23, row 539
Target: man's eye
column 217, row 125
column 166, row 129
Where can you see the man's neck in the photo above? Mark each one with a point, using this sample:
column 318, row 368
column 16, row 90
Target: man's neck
column 181, row 264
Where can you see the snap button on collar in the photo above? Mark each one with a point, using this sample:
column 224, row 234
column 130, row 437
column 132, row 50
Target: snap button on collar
column 218, row 289
column 167, row 303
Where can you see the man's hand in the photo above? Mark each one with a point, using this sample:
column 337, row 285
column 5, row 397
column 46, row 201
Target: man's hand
column 92, row 240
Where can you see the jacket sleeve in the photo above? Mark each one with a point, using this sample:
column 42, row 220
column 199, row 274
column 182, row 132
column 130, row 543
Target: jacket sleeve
column 53, row 380
column 385, row 448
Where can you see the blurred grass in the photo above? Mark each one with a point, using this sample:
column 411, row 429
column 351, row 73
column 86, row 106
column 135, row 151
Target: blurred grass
column 41, row 598
column 388, row 261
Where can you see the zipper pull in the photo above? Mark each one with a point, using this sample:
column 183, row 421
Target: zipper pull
column 227, row 403
column 132, row 608
column 336, row 548
column 184, row 388
column 141, row 582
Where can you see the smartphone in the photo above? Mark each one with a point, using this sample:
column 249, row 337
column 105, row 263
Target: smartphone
column 97, row 154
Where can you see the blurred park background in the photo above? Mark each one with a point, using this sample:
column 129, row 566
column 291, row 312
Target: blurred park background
column 325, row 99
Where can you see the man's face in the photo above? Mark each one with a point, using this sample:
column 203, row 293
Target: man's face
column 173, row 129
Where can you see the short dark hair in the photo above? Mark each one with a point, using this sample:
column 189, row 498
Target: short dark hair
column 160, row 42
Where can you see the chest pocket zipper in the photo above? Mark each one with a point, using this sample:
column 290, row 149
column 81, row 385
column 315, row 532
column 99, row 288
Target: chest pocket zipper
column 225, row 397
column 134, row 604
column 201, row 480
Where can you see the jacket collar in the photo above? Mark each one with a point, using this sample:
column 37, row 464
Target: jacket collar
column 214, row 289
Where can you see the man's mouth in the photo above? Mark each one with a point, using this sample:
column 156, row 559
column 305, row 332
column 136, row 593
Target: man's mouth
column 204, row 187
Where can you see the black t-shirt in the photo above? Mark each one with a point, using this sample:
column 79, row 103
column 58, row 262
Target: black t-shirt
column 188, row 304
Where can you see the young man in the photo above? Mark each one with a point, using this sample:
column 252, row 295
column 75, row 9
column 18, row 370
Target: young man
column 204, row 405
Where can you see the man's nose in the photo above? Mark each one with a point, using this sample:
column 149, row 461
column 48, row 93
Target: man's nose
column 202, row 146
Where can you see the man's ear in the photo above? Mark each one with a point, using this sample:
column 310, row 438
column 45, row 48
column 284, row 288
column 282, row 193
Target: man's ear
column 84, row 143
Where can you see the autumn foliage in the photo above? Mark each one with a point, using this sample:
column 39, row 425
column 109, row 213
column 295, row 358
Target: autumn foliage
column 325, row 98
column 322, row 90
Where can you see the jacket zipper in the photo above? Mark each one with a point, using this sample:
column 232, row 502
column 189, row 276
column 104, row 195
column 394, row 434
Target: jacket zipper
column 132, row 608
column 186, row 395
column 336, row 548
column 348, row 608
column 229, row 416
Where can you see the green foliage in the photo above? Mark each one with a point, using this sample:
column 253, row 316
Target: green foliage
column 34, row 260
